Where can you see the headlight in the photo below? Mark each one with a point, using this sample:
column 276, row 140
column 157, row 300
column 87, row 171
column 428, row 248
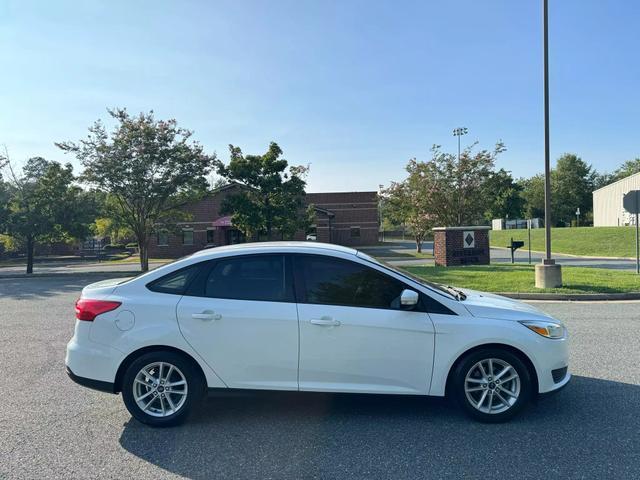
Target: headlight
column 546, row 329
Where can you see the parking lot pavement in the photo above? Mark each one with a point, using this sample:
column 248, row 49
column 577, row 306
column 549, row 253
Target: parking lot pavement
column 52, row 428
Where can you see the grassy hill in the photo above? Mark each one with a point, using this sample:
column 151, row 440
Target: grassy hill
column 590, row 241
column 520, row 278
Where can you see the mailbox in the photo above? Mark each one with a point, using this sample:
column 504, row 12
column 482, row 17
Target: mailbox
column 515, row 244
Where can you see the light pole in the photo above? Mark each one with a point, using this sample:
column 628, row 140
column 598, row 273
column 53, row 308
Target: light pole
column 381, row 227
column 548, row 274
column 458, row 132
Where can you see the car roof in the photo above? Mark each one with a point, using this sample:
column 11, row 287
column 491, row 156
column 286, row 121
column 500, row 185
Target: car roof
column 267, row 247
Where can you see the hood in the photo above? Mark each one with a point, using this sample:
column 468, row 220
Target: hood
column 104, row 287
column 490, row 305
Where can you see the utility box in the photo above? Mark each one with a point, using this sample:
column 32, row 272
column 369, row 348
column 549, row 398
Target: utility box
column 453, row 246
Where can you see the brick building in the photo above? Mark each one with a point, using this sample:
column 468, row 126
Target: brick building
column 345, row 218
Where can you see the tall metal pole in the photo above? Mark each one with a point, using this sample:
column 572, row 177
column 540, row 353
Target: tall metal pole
column 529, row 240
column 637, row 236
column 547, row 176
column 458, row 132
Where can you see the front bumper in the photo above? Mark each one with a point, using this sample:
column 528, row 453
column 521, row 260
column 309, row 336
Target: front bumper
column 559, row 386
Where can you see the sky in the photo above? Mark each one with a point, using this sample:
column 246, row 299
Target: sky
column 352, row 88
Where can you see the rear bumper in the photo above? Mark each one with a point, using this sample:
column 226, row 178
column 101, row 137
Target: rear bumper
column 91, row 383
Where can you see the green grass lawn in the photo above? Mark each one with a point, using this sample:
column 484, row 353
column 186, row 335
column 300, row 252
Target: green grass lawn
column 590, row 241
column 520, row 279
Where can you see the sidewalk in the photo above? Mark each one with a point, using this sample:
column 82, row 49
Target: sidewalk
column 64, row 268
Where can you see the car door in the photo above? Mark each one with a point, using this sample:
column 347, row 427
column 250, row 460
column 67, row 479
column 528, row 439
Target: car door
column 354, row 335
column 240, row 316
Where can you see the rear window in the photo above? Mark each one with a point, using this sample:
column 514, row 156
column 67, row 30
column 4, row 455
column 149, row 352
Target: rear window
column 175, row 283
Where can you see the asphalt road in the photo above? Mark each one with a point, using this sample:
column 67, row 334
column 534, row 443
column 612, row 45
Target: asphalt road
column 52, row 428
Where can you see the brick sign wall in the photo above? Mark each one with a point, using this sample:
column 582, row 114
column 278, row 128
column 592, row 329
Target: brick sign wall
column 453, row 246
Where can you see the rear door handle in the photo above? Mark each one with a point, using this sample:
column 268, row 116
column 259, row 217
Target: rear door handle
column 206, row 315
column 325, row 321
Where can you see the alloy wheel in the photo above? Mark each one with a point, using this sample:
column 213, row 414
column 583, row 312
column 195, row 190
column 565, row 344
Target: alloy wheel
column 492, row 386
column 160, row 389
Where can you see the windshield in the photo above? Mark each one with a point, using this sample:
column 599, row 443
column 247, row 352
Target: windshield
column 434, row 286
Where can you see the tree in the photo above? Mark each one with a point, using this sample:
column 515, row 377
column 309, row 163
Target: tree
column 503, row 196
column 405, row 203
column 44, row 205
column 148, row 167
column 454, row 189
column 273, row 197
column 533, row 196
column 572, row 184
column 627, row 168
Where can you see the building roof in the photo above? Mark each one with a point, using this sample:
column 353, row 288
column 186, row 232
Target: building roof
column 633, row 175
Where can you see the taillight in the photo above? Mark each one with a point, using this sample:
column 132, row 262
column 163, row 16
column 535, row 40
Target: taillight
column 87, row 309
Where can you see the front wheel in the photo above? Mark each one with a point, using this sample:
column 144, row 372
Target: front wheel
column 161, row 388
column 492, row 385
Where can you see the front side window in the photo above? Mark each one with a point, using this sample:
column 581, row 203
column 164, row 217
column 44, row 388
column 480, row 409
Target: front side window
column 176, row 282
column 253, row 277
column 187, row 237
column 332, row 281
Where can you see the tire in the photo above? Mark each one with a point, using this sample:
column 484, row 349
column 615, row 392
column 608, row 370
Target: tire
column 168, row 401
column 495, row 400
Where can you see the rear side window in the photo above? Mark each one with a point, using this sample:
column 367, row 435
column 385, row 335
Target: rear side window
column 176, row 282
column 332, row 281
column 253, row 277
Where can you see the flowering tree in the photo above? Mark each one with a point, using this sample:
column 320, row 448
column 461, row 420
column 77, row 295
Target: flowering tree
column 405, row 204
column 442, row 191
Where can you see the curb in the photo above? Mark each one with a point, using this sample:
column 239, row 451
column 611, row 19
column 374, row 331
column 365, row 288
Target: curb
column 586, row 257
column 573, row 297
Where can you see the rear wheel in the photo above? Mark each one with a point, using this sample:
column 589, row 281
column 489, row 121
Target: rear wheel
column 492, row 385
column 161, row 388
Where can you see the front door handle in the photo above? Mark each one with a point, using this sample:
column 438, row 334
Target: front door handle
column 325, row 321
column 206, row 315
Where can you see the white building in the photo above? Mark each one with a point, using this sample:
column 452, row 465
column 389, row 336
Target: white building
column 607, row 203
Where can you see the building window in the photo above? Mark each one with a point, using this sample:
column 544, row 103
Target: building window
column 210, row 236
column 355, row 232
column 187, row 236
column 163, row 238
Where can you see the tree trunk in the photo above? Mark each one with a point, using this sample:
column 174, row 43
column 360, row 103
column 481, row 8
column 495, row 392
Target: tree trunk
column 30, row 248
column 144, row 255
column 419, row 244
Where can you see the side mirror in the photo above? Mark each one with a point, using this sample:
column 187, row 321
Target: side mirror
column 409, row 298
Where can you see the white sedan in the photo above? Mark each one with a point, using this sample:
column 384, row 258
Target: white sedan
column 303, row 316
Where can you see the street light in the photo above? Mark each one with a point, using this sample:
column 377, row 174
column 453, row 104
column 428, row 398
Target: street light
column 548, row 274
column 458, row 132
